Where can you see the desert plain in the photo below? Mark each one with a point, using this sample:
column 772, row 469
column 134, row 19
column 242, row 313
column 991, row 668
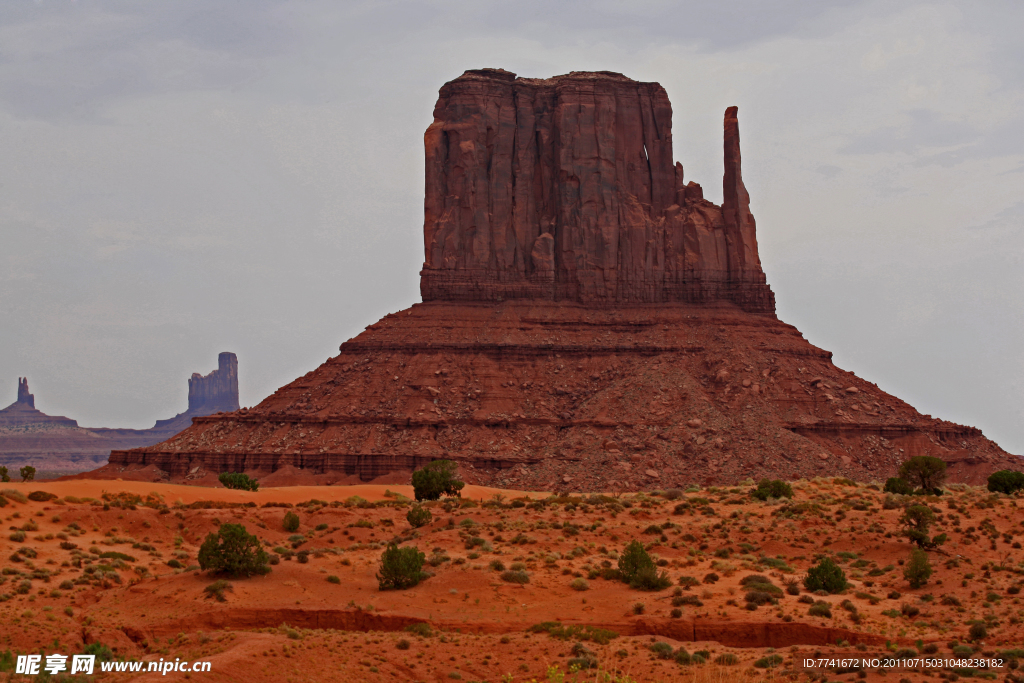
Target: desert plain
column 516, row 590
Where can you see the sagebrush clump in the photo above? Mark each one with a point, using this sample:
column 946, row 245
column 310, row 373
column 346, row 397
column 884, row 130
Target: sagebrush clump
column 826, row 576
column 234, row 551
column 400, row 568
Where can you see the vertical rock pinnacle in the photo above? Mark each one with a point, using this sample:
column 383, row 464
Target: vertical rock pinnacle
column 740, row 233
column 23, row 395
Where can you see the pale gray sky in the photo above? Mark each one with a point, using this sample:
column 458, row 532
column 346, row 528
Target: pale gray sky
column 183, row 178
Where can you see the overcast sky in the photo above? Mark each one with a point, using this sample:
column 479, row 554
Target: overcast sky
column 183, row 178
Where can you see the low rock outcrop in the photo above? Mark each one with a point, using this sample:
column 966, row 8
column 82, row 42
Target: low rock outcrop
column 589, row 321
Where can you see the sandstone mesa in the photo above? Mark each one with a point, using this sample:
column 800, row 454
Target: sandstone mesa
column 589, row 322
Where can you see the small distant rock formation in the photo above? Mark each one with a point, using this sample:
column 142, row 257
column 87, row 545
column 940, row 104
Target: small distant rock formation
column 589, row 322
column 23, row 395
column 57, row 444
column 216, row 392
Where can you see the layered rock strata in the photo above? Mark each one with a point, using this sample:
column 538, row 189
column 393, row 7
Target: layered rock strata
column 565, row 189
column 548, row 395
column 589, row 322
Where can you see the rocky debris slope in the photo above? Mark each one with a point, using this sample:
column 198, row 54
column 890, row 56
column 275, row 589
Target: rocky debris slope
column 57, row 444
column 543, row 395
column 589, row 322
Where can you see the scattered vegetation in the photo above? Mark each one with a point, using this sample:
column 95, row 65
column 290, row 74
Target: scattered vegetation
column 1006, row 481
column 918, row 569
column 825, row 576
column 917, row 520
column 28, row 473
column 217, row 588
column 898, row 486
column 773, row 488
column 239, row 481
column 924, row 472
column 638, row 569
column 418, row 516
column 233, row 551
column 400, row 568
column 574, row 632
column 436, row 479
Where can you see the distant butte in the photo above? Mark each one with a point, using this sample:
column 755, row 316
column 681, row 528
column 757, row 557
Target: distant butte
column 57, row 444
column 589, row 322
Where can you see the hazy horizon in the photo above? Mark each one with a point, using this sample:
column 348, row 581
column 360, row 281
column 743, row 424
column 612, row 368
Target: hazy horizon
column 180, row 180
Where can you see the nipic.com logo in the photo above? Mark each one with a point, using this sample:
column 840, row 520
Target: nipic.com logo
column 32, row 665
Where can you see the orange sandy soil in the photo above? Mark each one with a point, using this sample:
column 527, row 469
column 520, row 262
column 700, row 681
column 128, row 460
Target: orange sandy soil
column 294, row 625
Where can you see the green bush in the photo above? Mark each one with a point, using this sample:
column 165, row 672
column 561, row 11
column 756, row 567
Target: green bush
column 102, row 652
column 633, row 560
column 41, row 496
column 977, row 631
column 28, row 473
column 421, row 629
column 237, row 480
column 774, row 488
column 419, row 516
column 661, row 650
column 233, row 551
column 4, row 476
column 916, row 520
column 924, row 471
column 333, row 579
column 769, row 662
column 400, row 568
column 1006, row 481
column 825, row 576
column 898, row 486
column 217, row 589
column 648, row 579
column 291, row 522
column 918, row 570
column 820, row 609
column 436, row 479
column 515, row 576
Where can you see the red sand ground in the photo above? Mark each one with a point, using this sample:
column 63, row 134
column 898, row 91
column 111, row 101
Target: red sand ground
column 295, row 625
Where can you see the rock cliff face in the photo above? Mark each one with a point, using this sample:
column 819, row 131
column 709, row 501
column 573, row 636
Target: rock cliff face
column 31, row 437
column 564, row 189
column 589, row 322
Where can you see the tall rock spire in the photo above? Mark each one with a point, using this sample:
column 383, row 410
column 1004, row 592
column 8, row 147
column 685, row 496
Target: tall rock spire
column 740, row 229
column 23, row 395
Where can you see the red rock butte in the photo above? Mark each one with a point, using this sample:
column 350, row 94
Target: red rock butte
column 589, row 321
column 564, row 189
